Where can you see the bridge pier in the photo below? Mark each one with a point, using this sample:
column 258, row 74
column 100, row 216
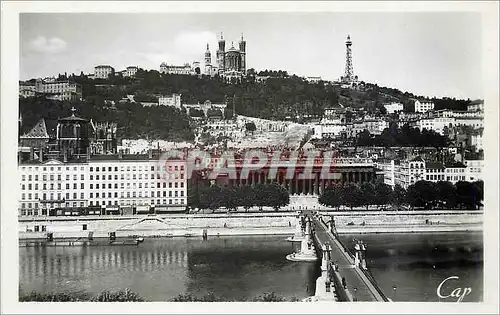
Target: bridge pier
column 325, row 289
column 307, row 250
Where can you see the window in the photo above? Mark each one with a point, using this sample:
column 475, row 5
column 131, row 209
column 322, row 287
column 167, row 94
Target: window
column 116, row 186
column 91, row 169
column 59, row 186
column 74, row 186
column 110, row 177
column 74, row 195
column 182, row 184
column 23, row 187
column 116, row 195
column 91, row 177
column 169, row 185
column 97, row 169
column 59, row 177
column 67, row 186
column 116, row 168
column 97, row 177
column 182, row 194
column 109, row 186
column 170, row 193
column 97, row 195
column 91, row 195
column 23, row 177
column 23, row 196
column 82, row 177
column 109, row 169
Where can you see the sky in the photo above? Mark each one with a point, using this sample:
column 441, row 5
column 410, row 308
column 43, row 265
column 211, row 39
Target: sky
column 425, row 53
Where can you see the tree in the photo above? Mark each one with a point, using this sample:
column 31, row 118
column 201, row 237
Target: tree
column 246, row 197
column 398, row 196
column 469, row 194
column 422, row 194
column 447, row 193
column 332, row 197
column 367, row 194
column 352, row 195
column 250, row 127
column 382, row 194
column 277, row 196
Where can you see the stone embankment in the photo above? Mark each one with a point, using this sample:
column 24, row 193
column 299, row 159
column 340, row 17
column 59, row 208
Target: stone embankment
column 194, row 225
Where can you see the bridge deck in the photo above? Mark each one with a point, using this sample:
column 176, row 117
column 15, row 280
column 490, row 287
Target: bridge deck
column 366, row 289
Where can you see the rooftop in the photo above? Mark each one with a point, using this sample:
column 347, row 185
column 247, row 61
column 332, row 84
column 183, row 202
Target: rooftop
column 434, row 165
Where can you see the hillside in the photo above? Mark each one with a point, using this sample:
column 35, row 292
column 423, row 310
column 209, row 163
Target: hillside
column 279, row 97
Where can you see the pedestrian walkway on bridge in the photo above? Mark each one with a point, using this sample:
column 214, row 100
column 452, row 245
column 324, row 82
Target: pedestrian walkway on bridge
column 344, row 277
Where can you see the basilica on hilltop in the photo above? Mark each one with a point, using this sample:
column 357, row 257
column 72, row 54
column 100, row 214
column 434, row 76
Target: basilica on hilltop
column 230, row 64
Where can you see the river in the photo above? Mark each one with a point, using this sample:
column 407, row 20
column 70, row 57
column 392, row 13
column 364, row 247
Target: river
column 244, row 267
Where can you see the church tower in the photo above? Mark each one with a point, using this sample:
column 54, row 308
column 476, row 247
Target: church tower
column 243, row 45
column 208, row 61
column 221, row 53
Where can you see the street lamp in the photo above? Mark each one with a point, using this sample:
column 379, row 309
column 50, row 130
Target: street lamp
column 355, row 289
column 394, row 290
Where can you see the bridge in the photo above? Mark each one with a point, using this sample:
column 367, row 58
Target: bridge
column 344, row 275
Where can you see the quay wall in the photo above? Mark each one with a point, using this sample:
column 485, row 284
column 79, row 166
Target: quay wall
column 244, row 224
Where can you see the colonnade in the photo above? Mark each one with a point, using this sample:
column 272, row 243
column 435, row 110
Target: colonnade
column 307, row 186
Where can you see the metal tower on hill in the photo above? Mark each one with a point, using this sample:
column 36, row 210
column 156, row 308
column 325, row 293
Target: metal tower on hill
column 349, row 73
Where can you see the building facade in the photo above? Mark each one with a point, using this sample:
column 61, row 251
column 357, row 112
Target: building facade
column 170, row 100
column 130, row 71
column 186, row 69
column 107, row 184
column 394, row 108
column 62, row 90
column 422, row 107
column 455, row 172
column 474, row 170
column 434, row 172
column 408, row 172
column 103, row 71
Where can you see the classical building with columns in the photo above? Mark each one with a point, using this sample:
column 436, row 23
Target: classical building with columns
column 342, row 170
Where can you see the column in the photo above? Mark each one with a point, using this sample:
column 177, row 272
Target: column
column 311, row 185
column 296, row 185
column 316, row 184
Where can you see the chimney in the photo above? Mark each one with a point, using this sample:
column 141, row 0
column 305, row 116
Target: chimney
column 150, row 153
column 40, row 155
column 32, row 153
column 120, row 154
column 65, row 160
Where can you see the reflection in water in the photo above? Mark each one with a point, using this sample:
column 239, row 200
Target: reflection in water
column 415, row 264
column 241, row 268
column 238, row 268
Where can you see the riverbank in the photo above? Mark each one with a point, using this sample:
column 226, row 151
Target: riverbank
column 192, row 225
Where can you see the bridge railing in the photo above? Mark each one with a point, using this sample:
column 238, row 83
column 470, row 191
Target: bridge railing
column 366, row 272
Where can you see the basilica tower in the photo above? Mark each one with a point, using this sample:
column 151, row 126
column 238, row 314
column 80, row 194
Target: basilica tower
column 221, row 53
column 243, row 45
column 208, row 61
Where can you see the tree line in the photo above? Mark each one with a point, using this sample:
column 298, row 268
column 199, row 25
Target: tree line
column 134, row 121
column 231, row 197
column 422, row 194
column 404, row 136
